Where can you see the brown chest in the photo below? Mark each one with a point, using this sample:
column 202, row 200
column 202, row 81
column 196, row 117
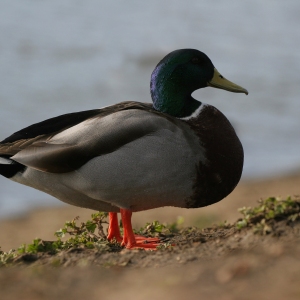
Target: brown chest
column 219, row 175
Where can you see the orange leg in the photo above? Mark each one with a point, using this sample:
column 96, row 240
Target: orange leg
column 129, row 239
column 113, row 228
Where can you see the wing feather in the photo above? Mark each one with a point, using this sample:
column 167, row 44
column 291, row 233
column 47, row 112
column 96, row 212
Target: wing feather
column 73, row 147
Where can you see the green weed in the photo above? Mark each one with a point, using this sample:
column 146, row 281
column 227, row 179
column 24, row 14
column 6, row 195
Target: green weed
column 156, row 228
column 7, row 257
column 273, row 208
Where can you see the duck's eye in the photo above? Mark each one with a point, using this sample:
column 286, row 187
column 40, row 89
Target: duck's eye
column 195, row 60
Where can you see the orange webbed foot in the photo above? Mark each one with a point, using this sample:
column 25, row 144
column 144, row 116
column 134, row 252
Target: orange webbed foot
column 129, row 239
column 132, row 241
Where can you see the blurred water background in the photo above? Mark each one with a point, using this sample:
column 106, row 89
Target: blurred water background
column 64, row 56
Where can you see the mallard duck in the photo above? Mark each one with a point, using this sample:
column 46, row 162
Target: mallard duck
column 133, row 156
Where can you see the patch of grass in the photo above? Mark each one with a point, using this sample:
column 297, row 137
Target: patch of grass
column 90, row 235
column 87, row 234
column 156, row 228
column 270, row 209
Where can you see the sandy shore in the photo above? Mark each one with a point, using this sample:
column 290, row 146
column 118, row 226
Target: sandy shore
column 44, row 222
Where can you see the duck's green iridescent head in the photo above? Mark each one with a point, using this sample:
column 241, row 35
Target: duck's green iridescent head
column 178, row 75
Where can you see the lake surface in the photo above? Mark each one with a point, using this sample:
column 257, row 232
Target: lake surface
column 64, row 56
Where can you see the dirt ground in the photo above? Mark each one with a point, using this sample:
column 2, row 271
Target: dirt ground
column 211, row 264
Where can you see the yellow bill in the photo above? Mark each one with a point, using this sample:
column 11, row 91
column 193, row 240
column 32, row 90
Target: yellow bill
column 219, row 82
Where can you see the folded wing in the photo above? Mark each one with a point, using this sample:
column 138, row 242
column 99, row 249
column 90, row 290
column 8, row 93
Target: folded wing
column 69, row 149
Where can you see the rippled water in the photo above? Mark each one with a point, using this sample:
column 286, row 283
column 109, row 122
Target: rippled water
column 63, row 56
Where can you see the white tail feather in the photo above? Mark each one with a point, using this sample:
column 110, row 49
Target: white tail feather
column 5, row 161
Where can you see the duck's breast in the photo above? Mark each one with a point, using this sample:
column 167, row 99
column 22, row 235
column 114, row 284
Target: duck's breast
column 222, row 170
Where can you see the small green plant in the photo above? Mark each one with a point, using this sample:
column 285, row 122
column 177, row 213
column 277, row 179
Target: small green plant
column 87, row 229
column 7, row 257
column 156, row 228
column 273, row 208
column 82, row 235
column 38, row 245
